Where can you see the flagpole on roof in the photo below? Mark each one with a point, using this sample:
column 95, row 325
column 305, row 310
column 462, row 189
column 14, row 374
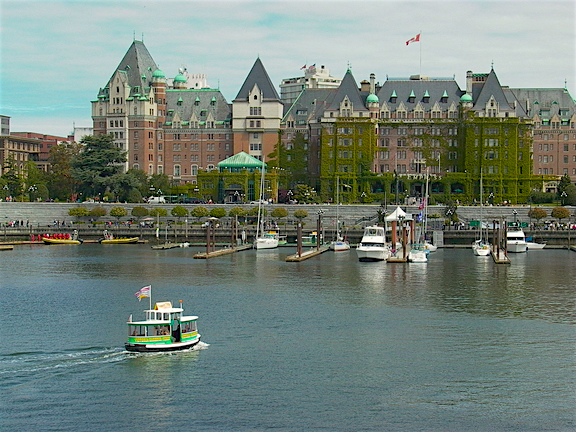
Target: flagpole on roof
column 420, row 54
column 150, row 298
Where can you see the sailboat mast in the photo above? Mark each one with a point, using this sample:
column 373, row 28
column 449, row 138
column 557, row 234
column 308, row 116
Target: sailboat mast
column 260, row 198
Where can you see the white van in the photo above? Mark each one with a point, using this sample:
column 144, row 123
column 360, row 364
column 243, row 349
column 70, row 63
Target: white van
column 156, row 200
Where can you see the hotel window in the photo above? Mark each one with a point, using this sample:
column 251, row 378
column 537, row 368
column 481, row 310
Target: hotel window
column 176, row 170
column 194, row 170
column 160, row 169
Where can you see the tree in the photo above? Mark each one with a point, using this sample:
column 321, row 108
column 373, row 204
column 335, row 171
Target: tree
column 61, row 182
column 118, row 212
column 560, row 213
column 78, row 212
column 35, row 180
column 236, row 211
column 179, row 212
column 305, row 194
column 158, row 212
column 537, row 213
column 300, row 214
column 199, row 212
column 279, row 213
column 98, row 211
column 11, row 178
column 563, row 184
column 139, row 212
column 158, row 184
column 97, row 163
column 218, row 212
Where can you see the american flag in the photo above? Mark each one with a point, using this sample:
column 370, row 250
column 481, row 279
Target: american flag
column 144, row 292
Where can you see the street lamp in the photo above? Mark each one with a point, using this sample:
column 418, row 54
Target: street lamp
column 290, row 194
column 515, row 213
column 563, row 196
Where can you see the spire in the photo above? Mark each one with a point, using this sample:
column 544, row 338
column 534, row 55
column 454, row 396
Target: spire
column 258, row 76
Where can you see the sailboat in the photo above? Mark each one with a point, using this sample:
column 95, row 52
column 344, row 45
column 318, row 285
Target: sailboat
column 339, row 244
column 426, row 244
column 481, row 247
column 268, row 240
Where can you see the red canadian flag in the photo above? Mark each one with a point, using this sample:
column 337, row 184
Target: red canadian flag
column 414, row 39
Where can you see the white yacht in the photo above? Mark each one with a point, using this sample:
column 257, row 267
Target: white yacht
column 268, row 240
column 516, row 241
column 373, row 245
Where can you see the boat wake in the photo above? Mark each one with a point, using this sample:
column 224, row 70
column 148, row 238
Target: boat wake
column 16, row 368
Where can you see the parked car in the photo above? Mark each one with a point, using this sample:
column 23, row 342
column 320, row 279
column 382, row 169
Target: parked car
column 156, row 200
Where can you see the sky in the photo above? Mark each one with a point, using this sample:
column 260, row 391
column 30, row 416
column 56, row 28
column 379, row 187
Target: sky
column 56, row 55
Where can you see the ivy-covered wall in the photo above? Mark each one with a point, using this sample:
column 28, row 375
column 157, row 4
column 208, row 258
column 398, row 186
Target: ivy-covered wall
column 221, row 186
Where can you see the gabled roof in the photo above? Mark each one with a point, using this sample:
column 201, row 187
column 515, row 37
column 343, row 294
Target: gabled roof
column 311, row 103
column 348, row 87
column 241, row 160
column 427, row 92
column 490, row 88
column 536, row 99
column 259, row 76
column 186, row 102
column 138, row 65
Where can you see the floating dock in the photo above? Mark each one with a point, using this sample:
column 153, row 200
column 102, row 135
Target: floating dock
column 221, row 252
column 307, row 254
column 500, row 257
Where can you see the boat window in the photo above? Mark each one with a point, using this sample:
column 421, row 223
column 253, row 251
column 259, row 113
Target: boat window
column 189, row 327
column 166, row 317
column 136, row 330
column 161, row 330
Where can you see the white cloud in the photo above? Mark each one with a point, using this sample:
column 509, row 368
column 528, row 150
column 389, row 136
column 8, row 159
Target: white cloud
column 53, row 50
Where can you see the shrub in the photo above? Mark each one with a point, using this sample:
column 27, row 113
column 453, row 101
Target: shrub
column 118, row 212
column 78, row 212
column 158, row 211
column 139, row 212
column 98, row 211
column 300, row 214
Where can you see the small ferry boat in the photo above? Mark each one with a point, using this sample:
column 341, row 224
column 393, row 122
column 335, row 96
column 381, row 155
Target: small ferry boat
column 110, row 239
column 62, row 238
column 165, row 328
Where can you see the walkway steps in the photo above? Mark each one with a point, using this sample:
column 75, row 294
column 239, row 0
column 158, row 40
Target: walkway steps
column 221, row 252
column 307, row 254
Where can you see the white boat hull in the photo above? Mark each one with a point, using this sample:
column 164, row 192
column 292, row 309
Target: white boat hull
column 176, row 346
column 339, row 246
column 480, row 248
column 373, row 253
column 535, row 246
column 419, row 256
column 266, row 243
column 517, row 247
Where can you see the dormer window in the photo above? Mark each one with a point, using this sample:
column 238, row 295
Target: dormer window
column 255, row 97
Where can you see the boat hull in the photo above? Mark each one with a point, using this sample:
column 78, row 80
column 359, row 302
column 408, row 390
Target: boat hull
column 60, row 241
column 535, row 246
column 366, row 254
column 517, row 247
column 128, row 240
column 142, row 347
column 339, row 246
column 266, row 244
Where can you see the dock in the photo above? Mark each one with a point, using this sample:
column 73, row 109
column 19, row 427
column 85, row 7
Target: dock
column 308, row 254
column 221, row 252
column 170, row 245
column 500, row 257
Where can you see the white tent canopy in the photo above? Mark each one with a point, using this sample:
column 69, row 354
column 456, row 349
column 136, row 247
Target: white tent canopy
column 397, row 214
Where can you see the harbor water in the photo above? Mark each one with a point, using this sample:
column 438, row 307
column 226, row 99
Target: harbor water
column 327, row 344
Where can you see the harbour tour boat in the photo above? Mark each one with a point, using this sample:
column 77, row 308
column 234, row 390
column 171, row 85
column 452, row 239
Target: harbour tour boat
column 62, row 238
column 165, row 328
column 110, row 239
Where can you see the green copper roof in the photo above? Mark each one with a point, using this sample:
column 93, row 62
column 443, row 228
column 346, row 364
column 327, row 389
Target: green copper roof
column 241, row 160
column 445, row 94
column 180, row 78
column 393, row 93
column 158, row 74
column 372, row 98
column 412, row 94
column 426, row 94
column 466, row 98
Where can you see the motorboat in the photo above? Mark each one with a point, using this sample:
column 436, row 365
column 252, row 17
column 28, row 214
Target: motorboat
column 418, row 255
column 516, row 241
column 535, row 246
column 165, row 328
column 269, row 240
column 62, row 238
column 110, row 239
column 373, row 245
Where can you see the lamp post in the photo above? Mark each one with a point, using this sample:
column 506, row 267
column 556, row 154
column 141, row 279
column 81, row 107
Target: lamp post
column 515, row 213
column 319, row 229
column 563, row 196
column 32, row 190
column 290, row 194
